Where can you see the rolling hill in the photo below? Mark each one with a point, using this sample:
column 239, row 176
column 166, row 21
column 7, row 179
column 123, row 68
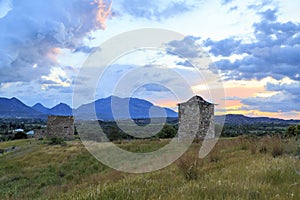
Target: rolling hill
column 138, row 109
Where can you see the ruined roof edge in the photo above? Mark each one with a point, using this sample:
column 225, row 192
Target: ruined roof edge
column 198, row 97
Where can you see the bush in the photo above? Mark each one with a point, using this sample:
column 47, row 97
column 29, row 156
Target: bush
column 189, row 166
column 167, row 131
column 277, row 147
column 19, row 136
column 277, row 150
column 253, row 149
column 57, row 141
column 297, row 151
column 263, row 149
column 214, row 156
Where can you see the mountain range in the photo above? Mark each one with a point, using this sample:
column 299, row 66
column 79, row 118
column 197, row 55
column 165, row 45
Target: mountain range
column 138, row 109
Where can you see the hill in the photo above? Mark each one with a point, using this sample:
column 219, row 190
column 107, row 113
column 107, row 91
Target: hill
column 138, row 109
column 235, row 169
column 113, row 108
column 61, row 109
column 14, row 108
column 40, row 108
column 244, row 120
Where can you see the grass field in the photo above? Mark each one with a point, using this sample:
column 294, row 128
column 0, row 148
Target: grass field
column 237, row 168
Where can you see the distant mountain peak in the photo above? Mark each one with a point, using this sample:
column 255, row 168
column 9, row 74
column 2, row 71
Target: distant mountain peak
column 41, row 108
column 61, row 109
column 14, row 108
column 39, row 105
column 62, row 104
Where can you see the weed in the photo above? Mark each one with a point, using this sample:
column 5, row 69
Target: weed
column 263, row 149
column 277, row 150
column 298, row 151
column 57, row 141
column 253, row 148
column 189, row 165
column 277, row 147
column 214, row 156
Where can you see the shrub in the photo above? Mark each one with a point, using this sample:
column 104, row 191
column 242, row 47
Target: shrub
column 57, row 141
column 277, row 146
column 253, row 149
column 189, row 165
column 19, row 136
column 263, row 149
column 277, row 149
column 297, row 151
column 214, row 156
column 167, row 131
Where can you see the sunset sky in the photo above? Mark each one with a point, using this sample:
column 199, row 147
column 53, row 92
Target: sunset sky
column 254, row 44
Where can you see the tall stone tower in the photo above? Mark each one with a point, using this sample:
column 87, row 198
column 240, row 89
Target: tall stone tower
column 187, row 120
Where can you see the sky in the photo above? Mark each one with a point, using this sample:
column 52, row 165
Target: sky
column 253, row 45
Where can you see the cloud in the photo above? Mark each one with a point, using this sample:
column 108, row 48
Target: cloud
column 155, row 88
column 273, row 52
column 289, row 88
column 5, row 7
column 85, row 49
column 225, row 2
column 278, row 97
column 259, row 5
column 224, row 47
column 234, row 8
column 155, row 9
column 269, row 14
column 282, row 102
column 32, row 33
column 186, row 48
column 185, row 64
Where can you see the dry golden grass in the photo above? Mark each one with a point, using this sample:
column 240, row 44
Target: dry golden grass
column 70, row 172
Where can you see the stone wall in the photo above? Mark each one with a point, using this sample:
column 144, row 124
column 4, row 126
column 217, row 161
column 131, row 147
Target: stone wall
column 61, row 127
column 197, row 114
column 40, row 133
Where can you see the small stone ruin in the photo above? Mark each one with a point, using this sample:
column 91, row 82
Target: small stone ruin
column 187, row 119
column 58, row 127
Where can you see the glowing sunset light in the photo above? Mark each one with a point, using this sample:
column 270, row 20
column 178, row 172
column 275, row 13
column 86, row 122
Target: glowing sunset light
column 253, row 45
column 104, row 11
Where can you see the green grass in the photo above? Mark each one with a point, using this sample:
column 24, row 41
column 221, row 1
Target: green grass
column 36, row 170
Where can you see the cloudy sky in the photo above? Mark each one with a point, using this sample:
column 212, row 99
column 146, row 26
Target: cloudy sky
column 254, row 46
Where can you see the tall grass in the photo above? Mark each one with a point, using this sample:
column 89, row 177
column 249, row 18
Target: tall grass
column 189, row 165
column 277, row 146
column 70, row 172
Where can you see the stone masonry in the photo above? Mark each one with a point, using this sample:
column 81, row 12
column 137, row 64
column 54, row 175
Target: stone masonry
column 61, row 127
column 187, row 120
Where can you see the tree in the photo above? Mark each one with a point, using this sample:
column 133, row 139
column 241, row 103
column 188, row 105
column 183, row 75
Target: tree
column 20, row 135
column 297, row 130
column 293, row 131
column 167, row 131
